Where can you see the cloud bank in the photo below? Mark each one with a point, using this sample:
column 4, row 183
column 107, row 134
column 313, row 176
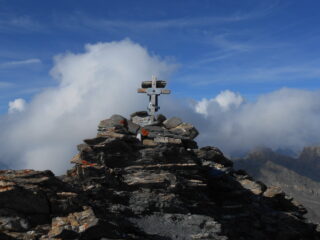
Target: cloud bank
column 286, row 118
column 91, row 86
column 101, row 81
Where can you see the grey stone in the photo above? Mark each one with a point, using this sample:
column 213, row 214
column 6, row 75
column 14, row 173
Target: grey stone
column 185, row 129
column 160, row 118
column 141, row 121
column 139, row 114
column 172, row 122
column 115, row 123
column 133, row 128
column 157, row 129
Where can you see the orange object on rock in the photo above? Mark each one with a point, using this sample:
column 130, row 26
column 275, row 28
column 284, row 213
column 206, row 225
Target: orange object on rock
column 123, row 122
column 84, row 162
column 144, row 132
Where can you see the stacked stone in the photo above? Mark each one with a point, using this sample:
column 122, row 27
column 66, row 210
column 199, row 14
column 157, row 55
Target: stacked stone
column 29, row 199
column 151, row 182
column 118, row 140
column 164, row 130
column 162, row 184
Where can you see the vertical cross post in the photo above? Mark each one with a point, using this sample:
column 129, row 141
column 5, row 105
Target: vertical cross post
column 153, row 89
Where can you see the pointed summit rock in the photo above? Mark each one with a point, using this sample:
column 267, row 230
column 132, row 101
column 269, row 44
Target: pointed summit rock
column 152, row 182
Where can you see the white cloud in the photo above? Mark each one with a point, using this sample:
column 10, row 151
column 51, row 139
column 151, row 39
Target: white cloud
column 93, row 85
column 18, row 105
column 287, row 118
column 226, row 100
column 20, row 62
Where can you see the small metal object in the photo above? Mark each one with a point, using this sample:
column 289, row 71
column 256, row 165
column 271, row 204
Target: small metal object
column 153, row 89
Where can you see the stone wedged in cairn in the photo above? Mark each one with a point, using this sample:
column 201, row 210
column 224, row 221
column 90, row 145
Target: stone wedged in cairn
column 150, row 182
column 162, row 131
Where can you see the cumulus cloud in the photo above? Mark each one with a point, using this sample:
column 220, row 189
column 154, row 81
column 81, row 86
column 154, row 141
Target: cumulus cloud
column 225, row 100
column 17, row 105
column 92, row 85
column 286, row 118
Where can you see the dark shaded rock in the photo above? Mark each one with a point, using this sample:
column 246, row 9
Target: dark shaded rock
column 82, row 147
column 189, row 144
column 29, row 198
column 133, row 128
column 95, row 141
column 11, row 221
column 213, row 154
column 297, row 176
column 161, row 118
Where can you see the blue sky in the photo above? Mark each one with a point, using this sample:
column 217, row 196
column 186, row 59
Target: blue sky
column 250, row 47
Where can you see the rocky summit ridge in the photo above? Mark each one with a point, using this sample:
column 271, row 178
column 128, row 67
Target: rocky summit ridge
column 150, row 182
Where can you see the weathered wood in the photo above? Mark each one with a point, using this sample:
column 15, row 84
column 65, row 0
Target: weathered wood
column 142, row 90
column 148, row 84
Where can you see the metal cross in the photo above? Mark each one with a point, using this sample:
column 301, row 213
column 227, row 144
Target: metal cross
column 153, row 89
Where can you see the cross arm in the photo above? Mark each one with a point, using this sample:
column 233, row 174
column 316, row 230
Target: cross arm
column 142, row 90
column 165, row 91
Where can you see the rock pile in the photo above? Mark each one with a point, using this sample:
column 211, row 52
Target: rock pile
column 147, row 182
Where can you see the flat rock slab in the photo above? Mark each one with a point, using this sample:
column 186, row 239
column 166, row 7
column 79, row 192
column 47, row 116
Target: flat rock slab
column 185, row 129
column 172, row 122
column 144, row 178
column 73, row 224
column 167, row 140
column 255, row 187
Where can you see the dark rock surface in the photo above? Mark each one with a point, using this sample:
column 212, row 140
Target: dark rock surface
column 160, row 187
column 299, row 177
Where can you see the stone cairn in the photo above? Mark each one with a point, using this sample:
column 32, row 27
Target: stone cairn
column 148, row 182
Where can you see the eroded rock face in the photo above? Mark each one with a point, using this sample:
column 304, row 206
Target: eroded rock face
column 160, row 187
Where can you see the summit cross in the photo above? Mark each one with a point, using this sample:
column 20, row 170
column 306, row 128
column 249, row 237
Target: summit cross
column 153, row 89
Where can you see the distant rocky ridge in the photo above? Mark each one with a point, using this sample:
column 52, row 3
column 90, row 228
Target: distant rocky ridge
column 151, row 182
column 299, row 177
